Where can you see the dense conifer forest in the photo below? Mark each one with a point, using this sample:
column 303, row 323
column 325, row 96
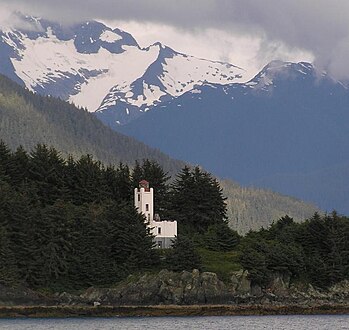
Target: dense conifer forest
column 66, row 224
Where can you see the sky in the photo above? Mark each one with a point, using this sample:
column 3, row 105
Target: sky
column 247, row 33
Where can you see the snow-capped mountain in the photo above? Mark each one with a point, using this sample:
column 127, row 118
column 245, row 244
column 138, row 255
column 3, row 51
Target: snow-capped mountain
column 103, row 69
column 286, row 129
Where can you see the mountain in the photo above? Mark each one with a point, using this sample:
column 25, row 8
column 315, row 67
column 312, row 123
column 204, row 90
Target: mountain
column 287, row 129
column 103, row 69
column 27, row 119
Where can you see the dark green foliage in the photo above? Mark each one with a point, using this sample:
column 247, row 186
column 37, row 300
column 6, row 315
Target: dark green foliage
column 197, row 201
column 315, row 251
column 45, row 168
column 183, row 255
column 326, row 245
column 8, row 269
column 255, row 262
column 67, row 224
column 219, row 237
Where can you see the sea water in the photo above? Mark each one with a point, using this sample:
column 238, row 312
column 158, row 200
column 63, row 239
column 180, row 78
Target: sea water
column 289, row 322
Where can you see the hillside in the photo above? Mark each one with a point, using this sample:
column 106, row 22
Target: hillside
column 27, row 119
column 252, row 208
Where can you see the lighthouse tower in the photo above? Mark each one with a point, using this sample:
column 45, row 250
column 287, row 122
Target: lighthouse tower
column 164, row 231
column 144, row 200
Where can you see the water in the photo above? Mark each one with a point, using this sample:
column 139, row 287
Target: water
column 289, row 322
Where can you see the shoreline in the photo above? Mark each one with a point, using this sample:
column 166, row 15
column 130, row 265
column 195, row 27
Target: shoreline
column 167, row 310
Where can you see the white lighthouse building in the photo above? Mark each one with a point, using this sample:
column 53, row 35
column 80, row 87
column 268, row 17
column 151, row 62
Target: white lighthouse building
column 164, row 231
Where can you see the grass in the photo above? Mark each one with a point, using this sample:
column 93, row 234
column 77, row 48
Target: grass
column 221, row 263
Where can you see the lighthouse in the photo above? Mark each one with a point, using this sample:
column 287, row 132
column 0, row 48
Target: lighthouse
column 164, row 231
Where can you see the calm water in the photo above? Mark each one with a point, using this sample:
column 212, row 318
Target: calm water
column 293, row 322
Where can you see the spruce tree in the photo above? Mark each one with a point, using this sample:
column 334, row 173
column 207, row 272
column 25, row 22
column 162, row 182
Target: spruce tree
column 183, row 255
column 197, row 201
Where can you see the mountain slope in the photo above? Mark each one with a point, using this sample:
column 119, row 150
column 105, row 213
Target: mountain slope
column 27, row 119
column 289, row 121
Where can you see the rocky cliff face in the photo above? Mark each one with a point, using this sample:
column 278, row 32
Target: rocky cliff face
column 187, row 288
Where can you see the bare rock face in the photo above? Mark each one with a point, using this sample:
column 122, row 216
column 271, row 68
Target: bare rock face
column 185, row 287
column 164, row 288
column 188, row 288
column 240, row 281
column 280, row 284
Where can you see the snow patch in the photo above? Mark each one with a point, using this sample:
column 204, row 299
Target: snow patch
column 181, row 73
column 62, row 56
column 109, row 36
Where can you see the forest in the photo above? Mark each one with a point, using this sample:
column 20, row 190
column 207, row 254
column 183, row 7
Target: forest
column 67, row 224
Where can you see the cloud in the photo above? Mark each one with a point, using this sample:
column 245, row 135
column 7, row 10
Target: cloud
column 319, row 27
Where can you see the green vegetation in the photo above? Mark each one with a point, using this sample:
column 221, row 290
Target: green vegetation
column 315, row 251
column 221, row 263
column 70, row 224
column 28, row 119
column 183, row 255
column 252, row 208
column 67, row 224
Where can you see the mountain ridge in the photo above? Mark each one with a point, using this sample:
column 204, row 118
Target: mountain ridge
column 89, row 58
column 289, row 120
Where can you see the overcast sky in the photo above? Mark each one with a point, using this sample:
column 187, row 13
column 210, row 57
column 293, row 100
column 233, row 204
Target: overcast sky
column 248, row 33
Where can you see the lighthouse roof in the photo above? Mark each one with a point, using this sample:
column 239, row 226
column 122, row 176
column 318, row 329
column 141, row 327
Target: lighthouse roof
column 144, row 184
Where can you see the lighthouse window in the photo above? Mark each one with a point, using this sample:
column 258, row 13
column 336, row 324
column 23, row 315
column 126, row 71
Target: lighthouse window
column 159, row 230
column 147, row 207
column 139, row 198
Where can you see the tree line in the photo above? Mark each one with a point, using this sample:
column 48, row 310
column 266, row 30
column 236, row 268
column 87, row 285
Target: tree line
column 315, row 251
column 71, row 223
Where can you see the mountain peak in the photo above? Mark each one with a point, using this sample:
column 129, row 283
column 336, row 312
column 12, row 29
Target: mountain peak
column 278, row 70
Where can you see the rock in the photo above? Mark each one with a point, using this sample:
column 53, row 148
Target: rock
column 241, row 282
column 280, row 284
column 21, row 295
column 186, row 288
column 164, row 288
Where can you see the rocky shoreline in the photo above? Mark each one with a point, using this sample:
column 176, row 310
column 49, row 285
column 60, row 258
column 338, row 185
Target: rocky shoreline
column 180, row 294
column 168, row 310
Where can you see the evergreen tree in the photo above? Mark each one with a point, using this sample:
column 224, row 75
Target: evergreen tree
column 18, row 168
column 183, row 255
column 219, row 237
column 118, row 182
column 46, row 169
column 5, row 157
column 8, row 268
column 196, row 201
